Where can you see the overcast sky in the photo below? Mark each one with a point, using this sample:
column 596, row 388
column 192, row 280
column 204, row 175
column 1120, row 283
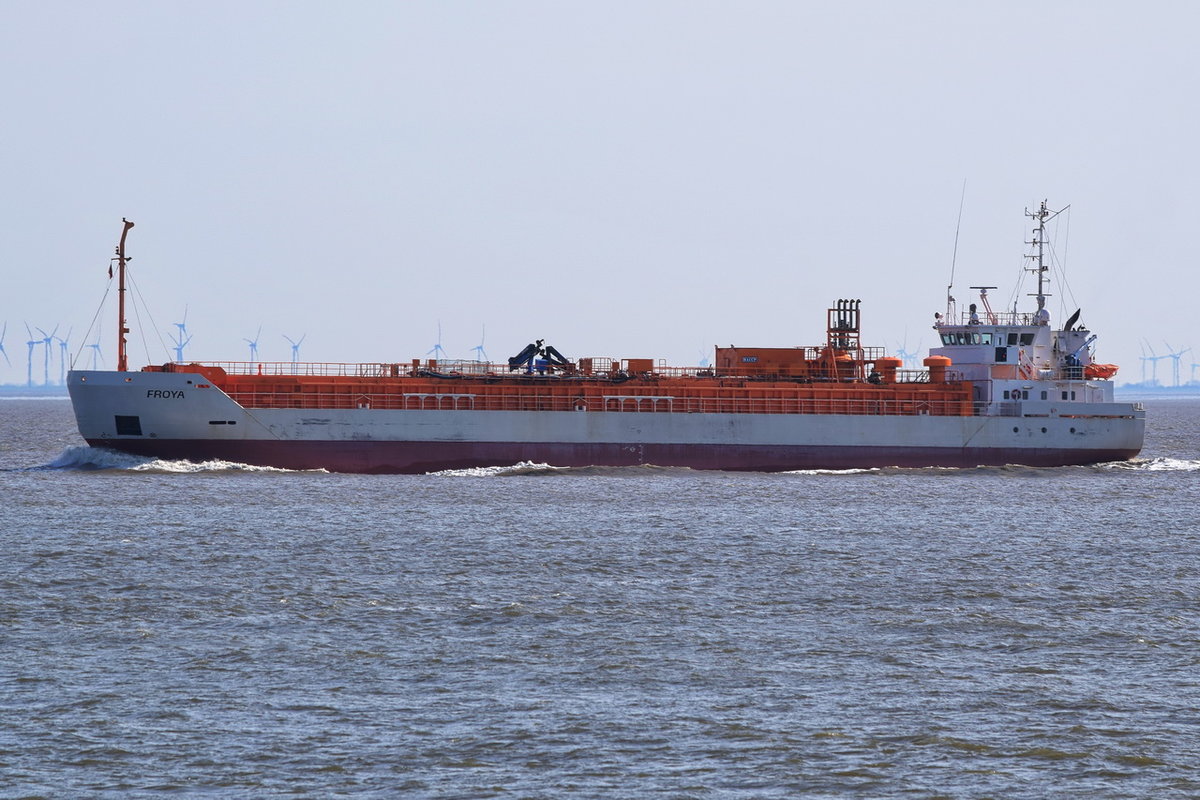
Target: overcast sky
column 624, row 179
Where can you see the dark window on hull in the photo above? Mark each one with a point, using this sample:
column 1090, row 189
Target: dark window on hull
column 129, row 426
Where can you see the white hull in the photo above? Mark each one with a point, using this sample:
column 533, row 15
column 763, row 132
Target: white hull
column 179, row 416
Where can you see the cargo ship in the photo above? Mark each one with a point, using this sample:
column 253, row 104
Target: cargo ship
column 1003, row 387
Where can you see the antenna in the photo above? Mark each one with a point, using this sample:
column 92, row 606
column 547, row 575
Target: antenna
column 2, row 350
column 1042, row 215
column 954, row 258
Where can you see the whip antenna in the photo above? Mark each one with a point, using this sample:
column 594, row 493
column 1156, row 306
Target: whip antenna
column 954, row 256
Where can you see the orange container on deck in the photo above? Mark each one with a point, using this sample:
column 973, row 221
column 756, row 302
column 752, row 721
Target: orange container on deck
column 786, row 361
column 886, row 367
column 937, row 368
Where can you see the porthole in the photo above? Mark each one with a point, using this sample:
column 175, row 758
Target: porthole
column 1016, row 430
column 1043, row 430
column 1072, row 430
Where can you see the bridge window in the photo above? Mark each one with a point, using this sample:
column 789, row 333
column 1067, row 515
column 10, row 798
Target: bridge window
column 1026, row 339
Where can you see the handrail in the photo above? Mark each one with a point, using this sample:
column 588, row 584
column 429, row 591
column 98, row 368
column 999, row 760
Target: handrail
column 321, row 369
column 917, row 405
column 999, row 318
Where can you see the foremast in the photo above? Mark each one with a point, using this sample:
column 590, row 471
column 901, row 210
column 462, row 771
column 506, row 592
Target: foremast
column 122, row 328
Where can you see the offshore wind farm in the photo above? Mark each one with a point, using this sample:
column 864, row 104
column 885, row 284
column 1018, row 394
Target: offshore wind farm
column 50, row 354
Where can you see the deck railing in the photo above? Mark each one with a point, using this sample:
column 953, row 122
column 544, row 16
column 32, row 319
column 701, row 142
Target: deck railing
column 319, row 369
column 609, row 403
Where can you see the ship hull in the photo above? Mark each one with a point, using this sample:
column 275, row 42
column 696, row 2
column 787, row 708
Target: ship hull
column 180, row 416
column 385, row 457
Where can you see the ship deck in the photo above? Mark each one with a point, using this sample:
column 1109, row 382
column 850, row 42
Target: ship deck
column 489, row 387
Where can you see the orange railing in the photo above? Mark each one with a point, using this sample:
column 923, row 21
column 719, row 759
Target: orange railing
column 619, row 403
column 476, row 368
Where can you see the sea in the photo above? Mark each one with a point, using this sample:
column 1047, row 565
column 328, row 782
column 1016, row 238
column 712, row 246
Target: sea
column 170, row 629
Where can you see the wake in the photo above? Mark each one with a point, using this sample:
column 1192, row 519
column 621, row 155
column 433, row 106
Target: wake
column 92, row 459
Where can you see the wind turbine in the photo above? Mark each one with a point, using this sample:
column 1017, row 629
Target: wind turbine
column 437, row 350
column 253, row 344
column 295, row 347
column 62, row 356
column 2, row 350
column 32, row 344
column 1175, row 360
column 1153, row 358
column 478, row 349
column 181, row 337
column 909, row 359
column 47, row 338
column 1193, row 380
column 96, row 352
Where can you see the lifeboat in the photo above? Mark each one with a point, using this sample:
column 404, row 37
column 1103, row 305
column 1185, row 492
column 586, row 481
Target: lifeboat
column 1100, row 372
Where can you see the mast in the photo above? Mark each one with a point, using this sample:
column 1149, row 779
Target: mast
column 122, row 361
column 1042, row 215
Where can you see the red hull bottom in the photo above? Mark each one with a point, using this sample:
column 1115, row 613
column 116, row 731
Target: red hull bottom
column 420, row 457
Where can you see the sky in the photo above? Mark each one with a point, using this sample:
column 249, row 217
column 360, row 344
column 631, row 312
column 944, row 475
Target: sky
column 624, row 179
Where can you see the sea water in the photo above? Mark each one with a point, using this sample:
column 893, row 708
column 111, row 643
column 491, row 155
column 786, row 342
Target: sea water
column 218, row 630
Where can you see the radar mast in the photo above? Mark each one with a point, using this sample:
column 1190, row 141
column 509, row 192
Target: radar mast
column 1042, row 215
